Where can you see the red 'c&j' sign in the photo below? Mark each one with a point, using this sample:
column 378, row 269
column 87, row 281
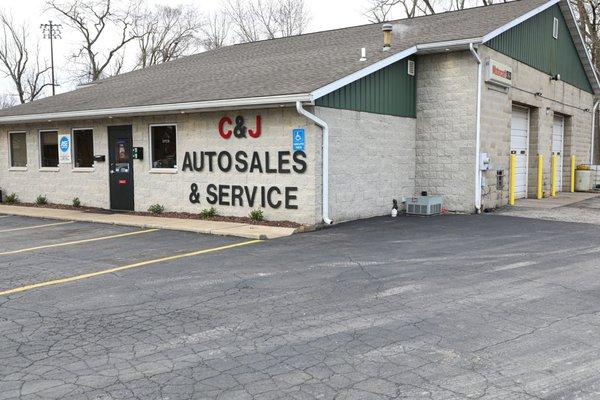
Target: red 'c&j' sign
column 239, row 130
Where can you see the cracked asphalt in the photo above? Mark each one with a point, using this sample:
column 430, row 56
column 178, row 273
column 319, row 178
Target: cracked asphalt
column 453, row 307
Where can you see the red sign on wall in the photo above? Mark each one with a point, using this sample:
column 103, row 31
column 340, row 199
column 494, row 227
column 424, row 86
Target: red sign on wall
column 227, row 128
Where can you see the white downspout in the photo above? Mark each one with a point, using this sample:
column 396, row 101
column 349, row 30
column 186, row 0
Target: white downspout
column 593, row 131
column 478, row 129
column 325, row 128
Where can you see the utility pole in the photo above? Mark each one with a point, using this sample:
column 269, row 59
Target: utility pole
column 51, row 31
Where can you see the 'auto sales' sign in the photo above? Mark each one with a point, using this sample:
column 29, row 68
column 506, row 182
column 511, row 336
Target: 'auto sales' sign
column 244, row 161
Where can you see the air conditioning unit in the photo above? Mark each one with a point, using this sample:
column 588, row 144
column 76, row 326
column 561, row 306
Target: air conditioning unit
column 424, row 205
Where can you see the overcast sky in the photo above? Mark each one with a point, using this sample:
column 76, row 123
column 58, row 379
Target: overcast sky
column 325, row 14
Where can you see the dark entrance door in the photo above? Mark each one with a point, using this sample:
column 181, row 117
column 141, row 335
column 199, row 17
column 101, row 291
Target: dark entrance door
column 120, row 167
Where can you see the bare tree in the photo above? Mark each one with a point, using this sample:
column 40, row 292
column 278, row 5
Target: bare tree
column 19, row 62
column 7, row 101
column 293, row 17
column 105, row 30
column 215, row 30
column 167, row 33
column 380, row 10
column 266, row 19
column 242, row 18
column 588, row 16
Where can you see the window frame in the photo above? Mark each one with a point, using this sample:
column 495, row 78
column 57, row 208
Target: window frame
column 155, row 170
column 73, row 150
column 42, row 168
column 10, row 156
column 555, row 28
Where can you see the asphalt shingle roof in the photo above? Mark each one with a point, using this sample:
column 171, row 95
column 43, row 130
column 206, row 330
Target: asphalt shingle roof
column 293, row 65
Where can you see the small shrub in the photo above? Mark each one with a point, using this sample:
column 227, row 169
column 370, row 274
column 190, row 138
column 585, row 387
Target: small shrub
column 11, row 199
column 76, row 202
column 156, row 209
column 41, row 200
column 256, row 215
column 208, row 213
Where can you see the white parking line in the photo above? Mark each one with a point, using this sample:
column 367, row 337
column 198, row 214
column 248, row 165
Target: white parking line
column 36, row 226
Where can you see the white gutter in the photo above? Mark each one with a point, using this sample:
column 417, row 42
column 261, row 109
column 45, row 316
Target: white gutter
column 593, row 131
column 158, row 108
column 447, row 45
column 478, row 131
column 325, row 184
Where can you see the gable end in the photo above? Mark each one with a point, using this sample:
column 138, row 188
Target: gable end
column 389, row 91
column 532, row 42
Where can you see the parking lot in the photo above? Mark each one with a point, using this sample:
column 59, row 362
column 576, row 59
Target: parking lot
column 452, row 307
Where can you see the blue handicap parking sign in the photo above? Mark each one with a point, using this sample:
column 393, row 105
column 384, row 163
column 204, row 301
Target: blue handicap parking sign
column 298, row 139
column 64, row 144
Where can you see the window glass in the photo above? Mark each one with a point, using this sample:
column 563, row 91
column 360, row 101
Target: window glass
column 49, row 148
column 164, row 146
column 18, row 149
column 83, row 141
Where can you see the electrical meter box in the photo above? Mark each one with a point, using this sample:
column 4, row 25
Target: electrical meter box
column 485, row 164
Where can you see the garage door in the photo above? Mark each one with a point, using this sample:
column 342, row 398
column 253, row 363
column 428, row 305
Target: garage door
column 558, row 135
column 519, row 145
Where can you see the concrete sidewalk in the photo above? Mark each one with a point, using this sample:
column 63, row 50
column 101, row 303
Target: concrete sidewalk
column 189, row 225
column 565, row 207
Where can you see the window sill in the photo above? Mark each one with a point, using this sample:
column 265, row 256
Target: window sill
column 163, row 170
column 18, row 169
column 84, row 169
column 49, row 169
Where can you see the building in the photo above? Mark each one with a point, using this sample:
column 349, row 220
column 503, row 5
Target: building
column 324, row 126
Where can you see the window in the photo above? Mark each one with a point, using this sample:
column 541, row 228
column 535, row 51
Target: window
column 49, row 149
column 18, row 149
column 83, row 148
column 555, row 28
column 163, row 140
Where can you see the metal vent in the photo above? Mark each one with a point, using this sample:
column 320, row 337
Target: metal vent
column 411, row 67
column 424, row 205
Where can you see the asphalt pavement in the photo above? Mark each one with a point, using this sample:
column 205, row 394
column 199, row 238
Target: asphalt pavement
column 453, row 307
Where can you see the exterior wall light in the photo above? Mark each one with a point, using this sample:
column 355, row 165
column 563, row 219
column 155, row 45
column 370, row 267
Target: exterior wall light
column 555, row 77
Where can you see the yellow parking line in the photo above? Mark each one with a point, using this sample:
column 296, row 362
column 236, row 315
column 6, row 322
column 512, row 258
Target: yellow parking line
column 24, row 228
column 123, row 268
column 48, row 246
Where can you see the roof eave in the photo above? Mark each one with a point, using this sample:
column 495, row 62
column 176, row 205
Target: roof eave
column 200, row 106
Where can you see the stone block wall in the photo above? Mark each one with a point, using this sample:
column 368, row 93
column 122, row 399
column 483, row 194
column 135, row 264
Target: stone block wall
column 372, row 162
column 195, row 132
column 445, row 140
column 556, row 97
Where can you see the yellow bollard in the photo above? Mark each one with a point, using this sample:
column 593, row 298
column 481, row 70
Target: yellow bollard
column 553, row 176
column 511, row 179
column 540, row 177
column 573, row 173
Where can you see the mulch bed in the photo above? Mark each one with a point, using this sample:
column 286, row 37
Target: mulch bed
column 180, row 215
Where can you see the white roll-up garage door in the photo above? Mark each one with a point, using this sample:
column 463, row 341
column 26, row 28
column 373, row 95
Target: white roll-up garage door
column 558, row 135
column 519, row 145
